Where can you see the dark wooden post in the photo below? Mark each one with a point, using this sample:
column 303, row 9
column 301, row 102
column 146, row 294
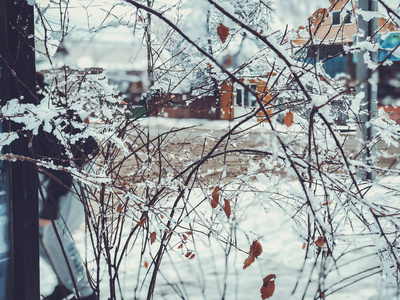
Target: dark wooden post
column 18, row 81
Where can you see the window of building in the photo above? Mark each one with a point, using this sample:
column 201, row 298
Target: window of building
column 336, row 18
column 239, row 99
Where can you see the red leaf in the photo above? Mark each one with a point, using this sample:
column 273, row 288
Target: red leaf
column 227, row 208
column 215, row 197
column 288, row 119
column 153, row 236
column 180, row 246
column 146, row 264
column 184, row 237
column 192, row 256
column 86, row 121
column 188, row 254
column 223, row 32
column 119, row 208
column 268, row 287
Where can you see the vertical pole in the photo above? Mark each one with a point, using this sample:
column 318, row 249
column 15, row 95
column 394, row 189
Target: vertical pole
column 368, row 105
column 18, row 81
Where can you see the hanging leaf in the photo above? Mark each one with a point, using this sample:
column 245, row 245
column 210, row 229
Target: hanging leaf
column 326, row 203
column 223, row 32
column 215, row 197
column 255, row 251
column 119, row 208
column 146, row 264
column 288, row 119
column 141, row 222
column 188, row 254
column 180, row 246
column 304, row 246
column 320, row 242
column 268, row 287
column 153, row 236
column 184, row 237
column 192, row 256
column 227, row 208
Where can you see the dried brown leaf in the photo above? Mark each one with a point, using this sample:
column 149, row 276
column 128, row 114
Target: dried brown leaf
column 268, row 287
column 227, row 208
column 153, row 236
column 119, row 208
column 255, row 251
column 215, row 197
column 188, row 254
column 223, row 32
column 288, row 119
column 192, row 256
column 146, row 264
column 320, row 242
column 142, row 221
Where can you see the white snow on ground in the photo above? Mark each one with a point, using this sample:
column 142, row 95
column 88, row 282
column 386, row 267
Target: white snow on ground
column 217, row 272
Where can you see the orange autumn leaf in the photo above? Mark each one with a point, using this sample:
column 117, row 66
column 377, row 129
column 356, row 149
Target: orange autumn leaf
column 192, row 256
column 146, row 264
column 123, row 102
column 184, row 237
column 153, row 236
column 180, row 246
column 223, row 32
column 288, row 119
column 227, row 208
column 255, row 251
column 326, row 203
column 119, row 208
column 304, row 246
column 268, row 287
column 320, row 242
column 215, row 197
column 141, row 222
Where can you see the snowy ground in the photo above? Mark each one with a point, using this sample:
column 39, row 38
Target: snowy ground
column 217, row 270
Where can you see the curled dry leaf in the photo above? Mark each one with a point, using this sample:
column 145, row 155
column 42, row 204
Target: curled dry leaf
column 227, row 208
column 119, row 208
column 268, row 287
column 153, row 236
column 223, row 32
column 320, row 242
column 288, row 119
column 255, row 251
column 215, row 197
